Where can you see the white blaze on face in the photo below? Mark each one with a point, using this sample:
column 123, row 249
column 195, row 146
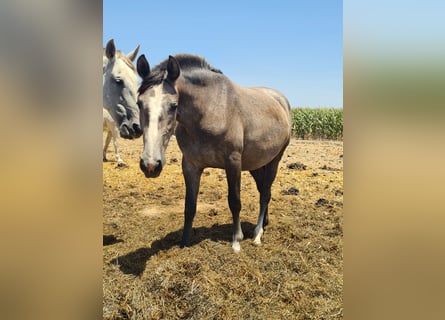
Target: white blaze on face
column 151, row 134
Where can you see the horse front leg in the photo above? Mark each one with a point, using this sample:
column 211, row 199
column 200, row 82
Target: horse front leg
column 116, row 145
column 107, row 143
column 192, row 177
column 233, row 174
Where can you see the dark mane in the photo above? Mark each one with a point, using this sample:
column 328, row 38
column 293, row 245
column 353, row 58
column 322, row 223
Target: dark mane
column 187, row 62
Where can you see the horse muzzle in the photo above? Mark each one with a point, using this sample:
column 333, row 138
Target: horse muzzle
column 151, row 170
column 128, row 131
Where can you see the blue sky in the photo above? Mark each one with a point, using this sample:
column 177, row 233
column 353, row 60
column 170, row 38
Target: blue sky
column 290, row 45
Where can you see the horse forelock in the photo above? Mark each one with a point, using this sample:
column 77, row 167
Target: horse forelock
column 187, row 63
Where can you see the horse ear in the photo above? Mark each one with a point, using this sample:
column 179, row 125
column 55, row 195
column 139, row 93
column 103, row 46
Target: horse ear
column 110, row 49
column 132, row 55
column 143, row 67
column 173, row 69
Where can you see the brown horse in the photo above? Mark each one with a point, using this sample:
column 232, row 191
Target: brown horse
column 218, row 124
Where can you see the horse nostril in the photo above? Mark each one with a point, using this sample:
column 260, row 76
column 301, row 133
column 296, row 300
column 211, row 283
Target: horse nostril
column 137, row 129
column 130, row 130
column 124, row 131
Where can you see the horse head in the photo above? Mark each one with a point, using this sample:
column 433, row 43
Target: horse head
column 158, row 101
column 120, row 90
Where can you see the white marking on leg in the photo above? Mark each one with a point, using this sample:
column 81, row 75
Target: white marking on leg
column 257, row 238
column 237, row 237
column 236, row 246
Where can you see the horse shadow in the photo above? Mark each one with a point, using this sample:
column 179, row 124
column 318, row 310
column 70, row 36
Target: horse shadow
column 110, row 239
column 134, row 262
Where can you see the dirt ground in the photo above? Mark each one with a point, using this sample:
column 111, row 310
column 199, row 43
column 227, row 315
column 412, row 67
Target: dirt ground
column 297, row 272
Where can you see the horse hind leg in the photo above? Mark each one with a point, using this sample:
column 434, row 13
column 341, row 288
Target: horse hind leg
column 264, row 178
column 259, row 176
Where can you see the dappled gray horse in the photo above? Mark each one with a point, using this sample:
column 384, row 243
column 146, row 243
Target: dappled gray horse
column 120, row 110
column 218, row 124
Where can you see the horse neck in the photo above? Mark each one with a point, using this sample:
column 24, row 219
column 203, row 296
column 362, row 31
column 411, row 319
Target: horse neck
column 204, row 108
column 195, row 91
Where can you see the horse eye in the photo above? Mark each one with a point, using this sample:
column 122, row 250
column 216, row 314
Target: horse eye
column 173, row 106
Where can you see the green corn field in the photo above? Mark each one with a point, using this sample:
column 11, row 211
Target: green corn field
column 320, row 123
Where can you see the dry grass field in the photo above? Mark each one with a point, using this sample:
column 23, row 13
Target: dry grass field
column 297, row 272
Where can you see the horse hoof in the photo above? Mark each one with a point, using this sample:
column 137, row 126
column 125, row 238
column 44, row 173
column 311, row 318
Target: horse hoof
column 122, row 165
column 257, row 238
column 236, row 247
column 184, row 244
